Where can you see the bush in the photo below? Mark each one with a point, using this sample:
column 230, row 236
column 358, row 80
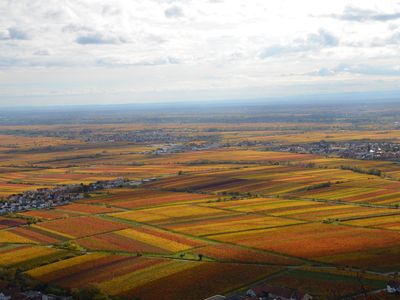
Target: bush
column 319, row 186
column 356, row 169
column 89, row 293
column 71, row 245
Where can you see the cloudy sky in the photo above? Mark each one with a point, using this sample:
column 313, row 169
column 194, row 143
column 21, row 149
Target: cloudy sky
column 124, row 51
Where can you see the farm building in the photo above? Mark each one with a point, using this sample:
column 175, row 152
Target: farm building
column 393, row 287
column 266, row 292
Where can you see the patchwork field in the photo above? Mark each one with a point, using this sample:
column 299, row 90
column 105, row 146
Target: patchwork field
column 227, row 224
column 137, row 276
column 210, row 221
column 364, row 191
column 384, row 222
column 171, row 214
column 133, row 199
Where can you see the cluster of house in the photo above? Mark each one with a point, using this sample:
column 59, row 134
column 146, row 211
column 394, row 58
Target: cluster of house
column 270, row 292
column 267, row 292
column 136, row 136
column 160, row 135
column 356, row 150
column 9, row 292
column 179, row 148
column 101, row 136
column 60, row 195
column 31, row 295
column 393, row 287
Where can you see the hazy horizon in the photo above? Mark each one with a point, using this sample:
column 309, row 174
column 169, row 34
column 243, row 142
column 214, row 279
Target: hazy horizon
column 330, row 99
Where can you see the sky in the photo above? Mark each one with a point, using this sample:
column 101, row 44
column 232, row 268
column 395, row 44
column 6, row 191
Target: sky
column 128, row 51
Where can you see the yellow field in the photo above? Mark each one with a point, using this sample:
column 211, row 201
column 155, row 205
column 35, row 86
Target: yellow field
column 384, row 222
column 25, row 254
column 153, row 240
column 230, row 224
column 9, row 237
column 129, row 281
column 41, row 272
column 171, row 214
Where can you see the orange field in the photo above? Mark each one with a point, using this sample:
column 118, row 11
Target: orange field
column 80, row 226
column 136, row 198
column 313, row 240
column 232, row 253
column 10, row 222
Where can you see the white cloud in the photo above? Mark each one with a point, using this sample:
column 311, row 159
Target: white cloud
column 181, row 46
column 362, row 69
column 357, row 14
column 312, row 42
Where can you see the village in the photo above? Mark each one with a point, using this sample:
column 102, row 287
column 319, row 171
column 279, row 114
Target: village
column 179, row 148
column 119, row 136
column 49, row 197
column 142, row 136
column 365, row 150
column 261, row 291
column 265, row 291
column 9, row 292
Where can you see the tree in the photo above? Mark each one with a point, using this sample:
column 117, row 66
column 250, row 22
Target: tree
column 8, row 274
column 71, row 245
column 33, row 220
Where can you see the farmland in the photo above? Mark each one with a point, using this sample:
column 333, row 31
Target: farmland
column 214, row 212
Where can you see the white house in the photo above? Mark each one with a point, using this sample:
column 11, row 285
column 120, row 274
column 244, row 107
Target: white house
column 393, row 287
column 4, row 297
